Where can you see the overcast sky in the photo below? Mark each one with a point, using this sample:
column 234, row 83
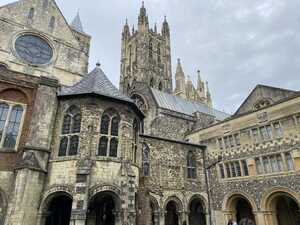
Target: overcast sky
column 236, row 44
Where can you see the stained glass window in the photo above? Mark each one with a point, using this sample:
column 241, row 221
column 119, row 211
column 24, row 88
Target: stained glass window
column 33, row 49
column 76, row 123
column 74, row 143
column 66, row 124
column 191, row 165
column 146, row 160
column 13, row 126
column 71, row 125
column 3, row 117
column 102, row 148
column 104, row 124
column 63, row 147
column 113, row 152
column 115, row 126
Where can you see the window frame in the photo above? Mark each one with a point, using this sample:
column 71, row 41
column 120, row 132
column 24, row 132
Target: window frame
column 111, row 114
column 11, row 105
column 191, row 165
column 70, row 134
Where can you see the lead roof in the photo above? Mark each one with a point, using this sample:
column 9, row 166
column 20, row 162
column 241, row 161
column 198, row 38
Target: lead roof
column 178, row 104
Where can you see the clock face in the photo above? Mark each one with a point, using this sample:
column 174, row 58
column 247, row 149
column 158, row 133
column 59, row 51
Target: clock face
column 33, row 49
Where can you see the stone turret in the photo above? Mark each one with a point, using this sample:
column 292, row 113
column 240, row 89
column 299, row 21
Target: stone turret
column 165, row 28
column 146, row 56
column 126, row 31
column 143, row 22
column 180, row 81
column 208, row 96
column 200, row 86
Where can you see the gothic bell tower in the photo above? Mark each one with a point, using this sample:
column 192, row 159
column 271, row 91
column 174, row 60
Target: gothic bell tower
column 146, row 55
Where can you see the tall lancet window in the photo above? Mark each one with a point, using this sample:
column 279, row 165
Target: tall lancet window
column 191, row 165
column 146, row 160
column 70, row 132
column 109, row 134
column 158, row 53
column 150, row 49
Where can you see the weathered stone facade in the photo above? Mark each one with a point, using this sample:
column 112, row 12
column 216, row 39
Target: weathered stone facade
column 266, row 141
column 75, row 150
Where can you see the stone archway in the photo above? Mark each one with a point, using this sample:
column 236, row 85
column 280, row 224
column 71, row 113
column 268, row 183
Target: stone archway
column 57, row 210
column 104, row 209
column 240, row 208
column 197, row 212
column 154, row 207
column 283, row 208
column 172, row 214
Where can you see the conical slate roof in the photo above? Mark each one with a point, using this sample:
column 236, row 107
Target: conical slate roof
column 96, row 82
column 77, row 24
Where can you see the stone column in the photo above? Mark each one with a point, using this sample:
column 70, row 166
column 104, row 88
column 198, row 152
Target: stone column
column 162, row 217
column 259, row 217
column 156, row 218
column 229, row 215
column 31, row 169
column 268, row 217
column 185, row 217
column 81, row 196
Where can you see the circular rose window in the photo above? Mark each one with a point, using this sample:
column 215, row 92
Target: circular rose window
column 33, row 49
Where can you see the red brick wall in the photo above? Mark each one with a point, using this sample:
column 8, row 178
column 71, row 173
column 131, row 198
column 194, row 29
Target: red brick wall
column 20, row 88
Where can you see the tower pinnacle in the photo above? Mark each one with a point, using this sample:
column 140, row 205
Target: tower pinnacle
column 143, row 18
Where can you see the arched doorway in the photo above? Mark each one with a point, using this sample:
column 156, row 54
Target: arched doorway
column 59, row 210
column 154, row 211
column 197, row 212
column 285, row 210
column 172, row 215
column 241, row 210
column 103, row 209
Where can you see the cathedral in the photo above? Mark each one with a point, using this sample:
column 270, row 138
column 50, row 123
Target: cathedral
column 76, row 150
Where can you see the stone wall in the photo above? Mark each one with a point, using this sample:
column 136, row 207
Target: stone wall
column 71, row 53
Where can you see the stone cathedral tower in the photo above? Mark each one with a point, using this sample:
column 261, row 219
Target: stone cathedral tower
column 146, row 55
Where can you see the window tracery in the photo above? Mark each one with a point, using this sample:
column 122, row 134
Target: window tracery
column 11, row 115
column 109, row 132
column 71, row 127
column 146, row 160
column 191, row 165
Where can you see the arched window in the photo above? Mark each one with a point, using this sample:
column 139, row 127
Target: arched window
column 158, row 53
column 102, row 148
column 109, row 132
column 191, row 165
column 160, row 86
column 113, row 147
column 10, row 124
column 104, row 124
column 13, row 126
column 31, row 14
column 135, row 129
column 150, row 49
column 115, row 126
column 70, row 132
column 146, row 160
column 52, row 23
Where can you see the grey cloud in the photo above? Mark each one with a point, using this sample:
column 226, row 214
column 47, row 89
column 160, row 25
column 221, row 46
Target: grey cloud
column 236, row 44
